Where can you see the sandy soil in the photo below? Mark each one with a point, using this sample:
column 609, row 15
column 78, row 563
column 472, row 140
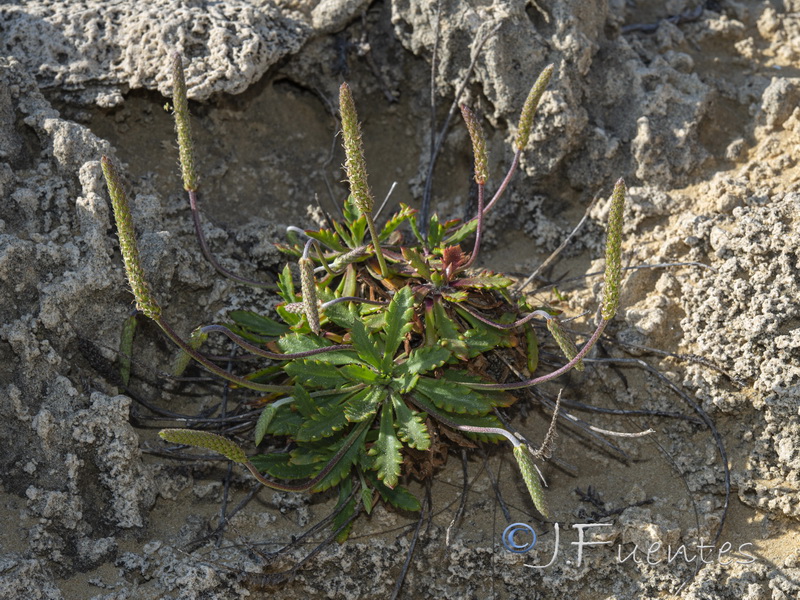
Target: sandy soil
column 698, row 113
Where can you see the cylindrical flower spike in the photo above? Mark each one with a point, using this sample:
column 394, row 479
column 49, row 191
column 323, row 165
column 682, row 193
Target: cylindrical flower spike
column 478, row 145
column 345, row 259
column 529, row 109
column 205, row 439
column 145, row 301
column 613, row 274
column 309, row 288
column 356, row 168
column 355, row 164
column 531, row 478
column 183, row 126
column 563, row 340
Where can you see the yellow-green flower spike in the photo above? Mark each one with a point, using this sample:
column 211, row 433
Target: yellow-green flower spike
column 529, row 109
column 355, row 165
column 563, row 340
column 478, row 145
column 145, row 301
column 183, row 126
column 308, row 285
column 205, row 439
column 531, row 478
column 613, row 275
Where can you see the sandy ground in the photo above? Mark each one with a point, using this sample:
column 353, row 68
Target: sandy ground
column 698, row 113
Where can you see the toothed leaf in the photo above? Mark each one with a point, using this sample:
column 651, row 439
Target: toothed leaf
column 423, row 359
column 411, row 426
column 322, row 424
column 398, row 323
column 486, row 280
column 363, row 343
column 399, row 497
column 462, row 233
column 365, row 403
column 257, row 323
column 386, row 451
column 395, row 221
column 315, row 373
column 327, row 238
column 264, row 419
column 344, row 466
column 453, row 397
column 415, row 259
column 362, row 374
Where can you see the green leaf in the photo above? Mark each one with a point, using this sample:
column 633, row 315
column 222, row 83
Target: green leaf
column 423, row 359
column 314, row 373
column 435, row 232
column 455, row 296
column 395, row 221
column 328, row 238
column 415, row 259
column 362, row 342
column 322, row 424
column 343, row 467
column 286, row 285
column 452, row 397
column 285, row 421
column 398, row 323
column 345, row 509
column 293, row 342
column 344, row 234
column 386, row 451
column 463, row 232
column 196, row 339
column 414, row 222
column 365, row 403
column 449, row 336
column 258, row 324
column 303, row 402
column 399, row 497
column 349, row 283
column 532, row 348
column 486, row 280
column 410, row 425
column 362, row 374
column 264, row 419
column 280, row 466
column 494, row 397
column 366, row 499
column 404, row 383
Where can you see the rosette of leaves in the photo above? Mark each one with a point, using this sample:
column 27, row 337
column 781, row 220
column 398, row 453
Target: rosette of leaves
column 382, row 396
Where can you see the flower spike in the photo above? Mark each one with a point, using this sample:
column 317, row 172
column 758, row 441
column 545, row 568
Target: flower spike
column 613, row 275
column 183, row 125
column 478, row 144
column 529, row 109
column 355, row 164
column 145, row 301
column 205, row 439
